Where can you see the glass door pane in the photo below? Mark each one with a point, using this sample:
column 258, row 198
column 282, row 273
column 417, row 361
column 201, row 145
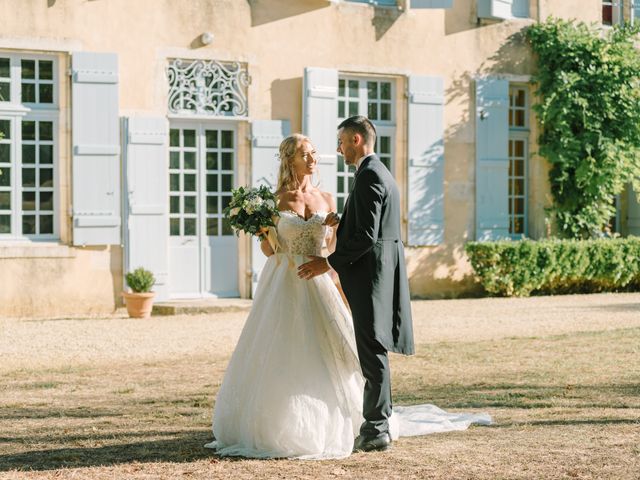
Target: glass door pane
column 220, row 164
column 5, row 177
column 183, row 174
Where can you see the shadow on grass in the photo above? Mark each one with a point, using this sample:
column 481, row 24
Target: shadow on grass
column 52, row 439
column 621, row 307
column 21, row 413
column 569, row 422
column 186, row 446
column 522, row 396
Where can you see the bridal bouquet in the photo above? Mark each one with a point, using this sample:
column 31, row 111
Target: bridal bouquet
column 251, row 209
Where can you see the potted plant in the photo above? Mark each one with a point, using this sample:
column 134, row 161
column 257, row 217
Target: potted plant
column 140, row 300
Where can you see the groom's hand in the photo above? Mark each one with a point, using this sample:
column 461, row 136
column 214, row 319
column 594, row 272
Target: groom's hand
column 317, row 266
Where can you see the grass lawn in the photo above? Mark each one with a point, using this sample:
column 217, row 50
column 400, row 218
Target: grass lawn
column 563, row 389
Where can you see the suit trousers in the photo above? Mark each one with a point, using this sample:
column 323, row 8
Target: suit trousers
column 377, row 405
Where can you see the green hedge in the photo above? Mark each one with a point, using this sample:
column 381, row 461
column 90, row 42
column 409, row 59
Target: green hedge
column 520, row 268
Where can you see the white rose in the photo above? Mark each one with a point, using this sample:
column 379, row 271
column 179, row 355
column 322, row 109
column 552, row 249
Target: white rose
column 270, row 203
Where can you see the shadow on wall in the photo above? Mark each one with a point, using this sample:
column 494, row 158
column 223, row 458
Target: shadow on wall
column 461, row 17
column 286, row 101
column 443, row 271
column 117, row 276
column 514, row 57
column 383, row 20
column 266, row 11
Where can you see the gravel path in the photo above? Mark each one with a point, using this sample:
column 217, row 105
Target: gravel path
column 31, row 344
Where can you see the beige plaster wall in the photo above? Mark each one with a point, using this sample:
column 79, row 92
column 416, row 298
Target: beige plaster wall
column 57, row 280
column 278, row 39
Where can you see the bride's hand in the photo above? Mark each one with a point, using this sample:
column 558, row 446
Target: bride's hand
column 332, row 219
column 262, row 232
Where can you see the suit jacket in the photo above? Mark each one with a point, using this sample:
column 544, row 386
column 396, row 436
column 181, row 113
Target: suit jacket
column 369, row 258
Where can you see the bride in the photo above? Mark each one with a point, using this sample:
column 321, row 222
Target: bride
column 293, row 387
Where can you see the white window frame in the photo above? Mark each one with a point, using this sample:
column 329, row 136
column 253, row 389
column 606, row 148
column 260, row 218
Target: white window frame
column 363, row 104
column 521, row 134
column 383, row 127
column 387, row 131
column 17, row 112
column 634, row 10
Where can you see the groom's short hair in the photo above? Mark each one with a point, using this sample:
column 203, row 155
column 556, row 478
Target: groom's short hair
column 362, row 125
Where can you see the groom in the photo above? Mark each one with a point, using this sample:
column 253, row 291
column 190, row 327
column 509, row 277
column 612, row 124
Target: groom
column 369, row 259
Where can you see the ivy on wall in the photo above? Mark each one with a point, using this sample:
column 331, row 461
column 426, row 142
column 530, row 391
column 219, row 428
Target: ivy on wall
column 588, row 84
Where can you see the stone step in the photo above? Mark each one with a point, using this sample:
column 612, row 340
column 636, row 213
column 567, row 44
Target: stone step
column 199, row 306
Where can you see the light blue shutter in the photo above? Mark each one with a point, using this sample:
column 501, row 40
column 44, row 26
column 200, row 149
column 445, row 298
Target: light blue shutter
column 492, row 159
column 520, row 8
column 431, row 3
column 266, row 136
column 503, row 9
column 633, row 212
column 146, row 198
column 320, row 119
column 96, row 149
column 426, row 160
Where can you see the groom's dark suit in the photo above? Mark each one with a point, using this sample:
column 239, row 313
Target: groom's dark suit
column 369, row 258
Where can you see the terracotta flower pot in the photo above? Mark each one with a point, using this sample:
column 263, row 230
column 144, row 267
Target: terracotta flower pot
column 139, row 305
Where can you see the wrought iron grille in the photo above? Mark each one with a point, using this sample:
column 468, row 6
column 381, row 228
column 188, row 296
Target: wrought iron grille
column 208, row 88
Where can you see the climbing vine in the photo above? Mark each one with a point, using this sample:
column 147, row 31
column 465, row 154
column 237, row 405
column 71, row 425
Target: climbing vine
column 588, row 86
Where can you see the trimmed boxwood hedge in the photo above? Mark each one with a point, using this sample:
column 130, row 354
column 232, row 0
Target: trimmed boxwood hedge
column 522, row 268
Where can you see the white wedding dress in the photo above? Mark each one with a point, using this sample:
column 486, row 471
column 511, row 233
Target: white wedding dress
column 293, row 387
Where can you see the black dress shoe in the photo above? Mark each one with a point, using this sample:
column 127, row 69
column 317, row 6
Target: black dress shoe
column 370, row 444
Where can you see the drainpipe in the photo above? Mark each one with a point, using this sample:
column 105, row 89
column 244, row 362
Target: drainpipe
column 539, row 13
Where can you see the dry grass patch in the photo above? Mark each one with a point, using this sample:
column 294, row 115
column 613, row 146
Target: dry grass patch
column 566, row 404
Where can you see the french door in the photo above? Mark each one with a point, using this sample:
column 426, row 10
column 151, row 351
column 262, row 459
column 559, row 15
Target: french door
column 203, row 250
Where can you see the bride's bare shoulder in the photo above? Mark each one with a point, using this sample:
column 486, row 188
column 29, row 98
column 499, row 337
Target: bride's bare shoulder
column 329, row 200
column 285, row 198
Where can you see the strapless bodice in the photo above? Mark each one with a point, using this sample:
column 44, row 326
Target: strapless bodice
column 298, row 236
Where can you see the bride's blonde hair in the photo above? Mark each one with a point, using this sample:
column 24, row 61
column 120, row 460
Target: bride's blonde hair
column 287, row 178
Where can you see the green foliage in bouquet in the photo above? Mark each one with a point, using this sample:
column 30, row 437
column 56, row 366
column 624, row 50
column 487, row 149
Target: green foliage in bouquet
column 588, row 82
column 140, row 280
column 251, row 209
column 509, row 268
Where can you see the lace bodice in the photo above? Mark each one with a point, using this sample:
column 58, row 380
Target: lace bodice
column 298, row 236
